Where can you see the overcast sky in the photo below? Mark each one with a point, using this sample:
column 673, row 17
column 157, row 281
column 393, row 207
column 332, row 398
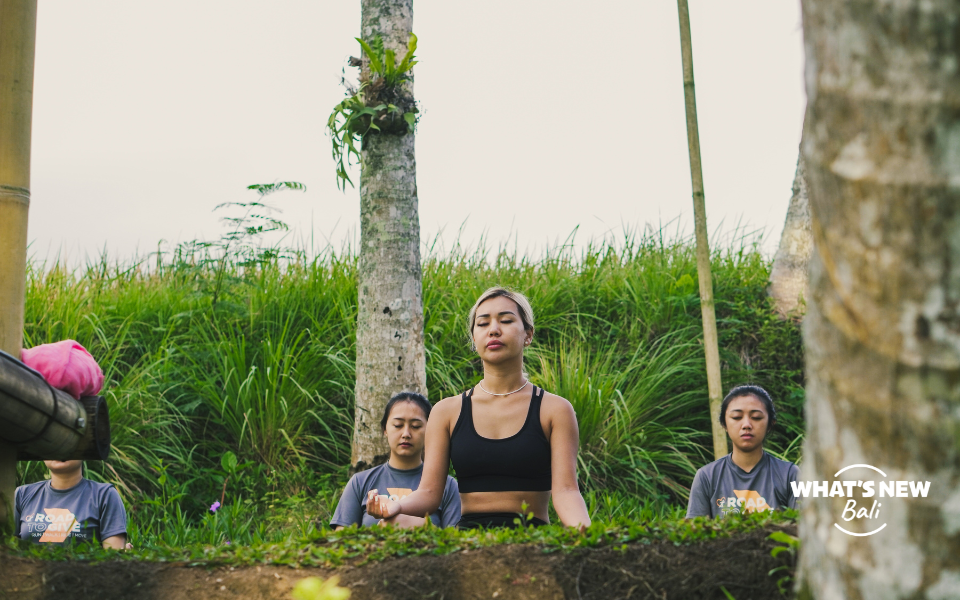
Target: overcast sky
column 539, row 117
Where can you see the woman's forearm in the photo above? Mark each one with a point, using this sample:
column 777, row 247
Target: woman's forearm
column 571, row 508
column 421, row 503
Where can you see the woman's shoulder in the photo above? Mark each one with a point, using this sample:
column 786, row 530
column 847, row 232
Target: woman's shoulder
column 448, row 403
column 361, row 479
column 98, row 485
column 29, row 490
column 708, row 470
column 782, row 466
column 447, row 409
column 100, row 490
column 31, row 487
column 555, row 404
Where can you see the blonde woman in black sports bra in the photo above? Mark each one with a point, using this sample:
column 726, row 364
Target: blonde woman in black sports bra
column 511, row 443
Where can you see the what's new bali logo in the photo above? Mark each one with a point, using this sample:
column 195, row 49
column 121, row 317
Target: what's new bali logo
column 869, row 490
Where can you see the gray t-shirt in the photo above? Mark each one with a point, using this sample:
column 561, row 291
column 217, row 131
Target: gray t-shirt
column 722, row 487
column 397, row 484
column 89, row 512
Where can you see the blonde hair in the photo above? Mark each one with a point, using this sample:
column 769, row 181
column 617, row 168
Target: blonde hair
column 523, row 306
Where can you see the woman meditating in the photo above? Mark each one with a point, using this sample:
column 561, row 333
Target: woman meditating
column 748, row 479
column 70, row 508
column 512, row 444
column 404, row 423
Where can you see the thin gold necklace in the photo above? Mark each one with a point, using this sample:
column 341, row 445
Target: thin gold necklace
column 508, row 393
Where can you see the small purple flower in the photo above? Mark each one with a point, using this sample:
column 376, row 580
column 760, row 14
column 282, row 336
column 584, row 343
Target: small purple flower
column 227, row 542
column 214, row 507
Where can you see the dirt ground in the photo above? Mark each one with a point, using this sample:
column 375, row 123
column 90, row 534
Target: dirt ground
column 659, row 571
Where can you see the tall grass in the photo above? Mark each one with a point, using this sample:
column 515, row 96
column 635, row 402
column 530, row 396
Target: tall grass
column 266, row 393
column 267, row 370
column 638, row 415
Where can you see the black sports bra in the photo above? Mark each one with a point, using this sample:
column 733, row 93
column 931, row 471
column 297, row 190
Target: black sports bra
column 519, row 463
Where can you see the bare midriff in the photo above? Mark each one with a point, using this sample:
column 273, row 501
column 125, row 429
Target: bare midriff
column 506, row 502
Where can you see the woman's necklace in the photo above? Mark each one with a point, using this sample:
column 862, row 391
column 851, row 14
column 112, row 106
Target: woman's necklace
column 508, row 393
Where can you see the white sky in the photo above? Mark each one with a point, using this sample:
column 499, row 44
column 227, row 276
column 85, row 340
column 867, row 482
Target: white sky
column 540, row 116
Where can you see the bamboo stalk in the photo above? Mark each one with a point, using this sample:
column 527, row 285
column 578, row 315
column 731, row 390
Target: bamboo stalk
column 18, row 28
column 710, row 345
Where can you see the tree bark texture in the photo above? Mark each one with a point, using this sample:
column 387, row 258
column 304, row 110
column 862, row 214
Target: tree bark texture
column 18, row 27
column 788, row 278
column 390, row 349
column 882, row 332
column 708, row 313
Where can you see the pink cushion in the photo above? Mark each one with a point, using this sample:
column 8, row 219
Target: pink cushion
column 66, row 366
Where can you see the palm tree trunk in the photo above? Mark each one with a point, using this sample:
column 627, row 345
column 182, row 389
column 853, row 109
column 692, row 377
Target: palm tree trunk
column 18, row 28
column 882, row 331
column 788, row 278
column 390, row 350
column 707, row 312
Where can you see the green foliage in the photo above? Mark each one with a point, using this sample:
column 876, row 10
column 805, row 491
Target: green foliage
column 356, row 546
column 229, row 463
column 371, row 108
column 264, row 393
column 637, row 422
column 349, row 122
column 263, row 368
column 241, row 246
column 383, row 61
column 791, row 546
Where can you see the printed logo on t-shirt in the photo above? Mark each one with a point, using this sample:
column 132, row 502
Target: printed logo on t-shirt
column 54, row 526
column 746, row 501
column 398, row 494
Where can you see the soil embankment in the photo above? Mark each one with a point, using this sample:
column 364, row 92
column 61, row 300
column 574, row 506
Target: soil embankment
column 659, row 570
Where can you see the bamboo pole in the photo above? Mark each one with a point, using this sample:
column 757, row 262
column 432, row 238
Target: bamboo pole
column 18, row 29
column 714, row 385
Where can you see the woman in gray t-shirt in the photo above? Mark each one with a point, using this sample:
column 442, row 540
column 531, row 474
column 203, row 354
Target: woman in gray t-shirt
column 748, row 479
column 404, row 423
column 67, row 508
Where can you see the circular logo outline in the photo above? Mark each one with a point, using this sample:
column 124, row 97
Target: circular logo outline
column 837, row 525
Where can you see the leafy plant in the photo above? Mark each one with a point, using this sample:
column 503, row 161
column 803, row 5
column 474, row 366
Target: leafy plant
column 791, row 546
column 242, row 244
column 170, row 491
column 383, row 61
column 374, row 105
column 348, row 123
column 524, row 517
